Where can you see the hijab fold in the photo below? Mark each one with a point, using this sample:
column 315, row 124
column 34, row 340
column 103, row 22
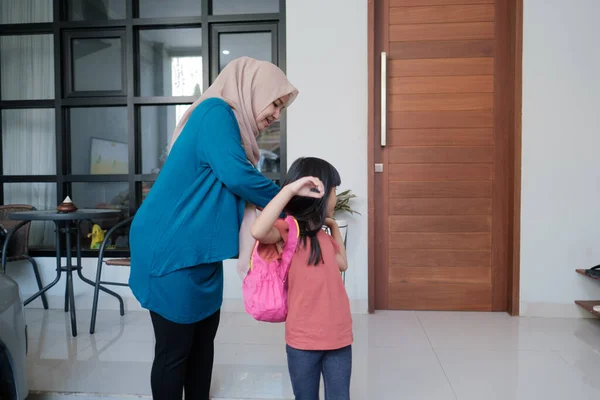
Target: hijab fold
column 248, row 86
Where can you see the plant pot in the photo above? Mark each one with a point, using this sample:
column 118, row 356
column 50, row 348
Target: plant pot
column 343, row 225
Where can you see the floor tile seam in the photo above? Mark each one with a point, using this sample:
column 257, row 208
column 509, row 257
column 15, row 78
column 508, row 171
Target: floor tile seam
column 573, row 367
column 62, row 363
column 437, row 358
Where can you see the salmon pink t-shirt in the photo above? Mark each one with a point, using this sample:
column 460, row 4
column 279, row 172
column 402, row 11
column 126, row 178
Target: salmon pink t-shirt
column 318, row 306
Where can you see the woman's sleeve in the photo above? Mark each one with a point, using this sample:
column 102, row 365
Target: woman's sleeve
column 221, row 145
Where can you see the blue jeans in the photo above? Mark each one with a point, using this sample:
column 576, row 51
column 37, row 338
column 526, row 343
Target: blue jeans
column 307, row 366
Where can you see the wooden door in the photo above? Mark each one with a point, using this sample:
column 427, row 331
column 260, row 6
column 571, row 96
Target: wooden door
column 442, row 187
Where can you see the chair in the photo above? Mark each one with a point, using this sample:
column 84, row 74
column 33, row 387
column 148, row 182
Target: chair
column 99, row 284
column 18, row 248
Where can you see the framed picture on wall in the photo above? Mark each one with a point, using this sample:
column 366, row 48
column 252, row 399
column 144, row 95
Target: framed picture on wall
column 108, row 157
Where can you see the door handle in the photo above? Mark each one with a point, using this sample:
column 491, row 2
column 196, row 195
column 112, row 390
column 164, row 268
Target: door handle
column 383, row 99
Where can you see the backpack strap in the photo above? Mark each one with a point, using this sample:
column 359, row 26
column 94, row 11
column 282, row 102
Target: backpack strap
column 289, row 248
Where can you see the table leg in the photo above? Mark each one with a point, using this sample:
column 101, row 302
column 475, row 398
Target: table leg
column 92, row 283
column 71, row 293
column 67, row 294
column 58, row 269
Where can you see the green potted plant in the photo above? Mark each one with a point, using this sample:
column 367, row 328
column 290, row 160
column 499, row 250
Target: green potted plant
column 343, row 206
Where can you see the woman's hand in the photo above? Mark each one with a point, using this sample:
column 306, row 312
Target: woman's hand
column 307, row 187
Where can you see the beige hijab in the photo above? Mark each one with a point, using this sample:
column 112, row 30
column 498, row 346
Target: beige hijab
column 248, row 86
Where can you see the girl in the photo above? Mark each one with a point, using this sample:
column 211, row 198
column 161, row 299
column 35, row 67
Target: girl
column 319, row 325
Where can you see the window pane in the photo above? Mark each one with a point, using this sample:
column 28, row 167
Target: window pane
column 43, row 197
column 27, row 67
column 157, row 125
column 221, row 7
column 170, row 62
column 176, row 8
column 268, row 143
column 28, row 142
column 25, row 11
column 234, row 45
column 97, row 64
column 96, row 10
column 111, row 195
column 99, row 140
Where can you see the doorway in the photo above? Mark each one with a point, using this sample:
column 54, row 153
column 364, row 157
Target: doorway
column 444, row 155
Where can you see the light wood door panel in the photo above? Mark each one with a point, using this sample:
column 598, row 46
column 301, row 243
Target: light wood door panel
column 441, row 137
column 446, row 67
column 445, row 159
column 448, row 31
column 415, row 3
column 442, row 224
column 441, row 172
column 441, row 102
column 440, row 297
column 441, row 276
column 443, row 14
column 441, row 119
column 440, row 259
column 436, row 240
column 442, row 84
column 442, row 49
column 440, row 155
column 425, row 190
column 431, row 206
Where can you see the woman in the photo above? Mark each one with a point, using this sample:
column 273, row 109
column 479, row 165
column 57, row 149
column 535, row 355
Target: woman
column 190, row 221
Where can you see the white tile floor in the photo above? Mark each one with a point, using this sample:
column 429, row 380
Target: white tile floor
column 397, row 355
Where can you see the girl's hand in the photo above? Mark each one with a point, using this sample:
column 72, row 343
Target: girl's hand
column 330, row 223
column 307, row 187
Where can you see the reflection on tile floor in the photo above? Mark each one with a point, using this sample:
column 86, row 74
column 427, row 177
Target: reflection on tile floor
column 397, row 355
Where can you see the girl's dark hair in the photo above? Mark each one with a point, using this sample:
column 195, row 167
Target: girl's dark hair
column 309, row 212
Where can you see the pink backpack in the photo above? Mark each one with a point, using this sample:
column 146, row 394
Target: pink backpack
column 265, row 287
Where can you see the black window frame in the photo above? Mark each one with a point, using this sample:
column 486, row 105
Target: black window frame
column 69, row 67
column 228, row 28
column 63, row 31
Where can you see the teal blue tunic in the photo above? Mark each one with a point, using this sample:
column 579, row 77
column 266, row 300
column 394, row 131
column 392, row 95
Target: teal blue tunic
column 189, row 222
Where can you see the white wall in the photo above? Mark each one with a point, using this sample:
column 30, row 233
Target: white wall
column 560, row 213
column 328, row 64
